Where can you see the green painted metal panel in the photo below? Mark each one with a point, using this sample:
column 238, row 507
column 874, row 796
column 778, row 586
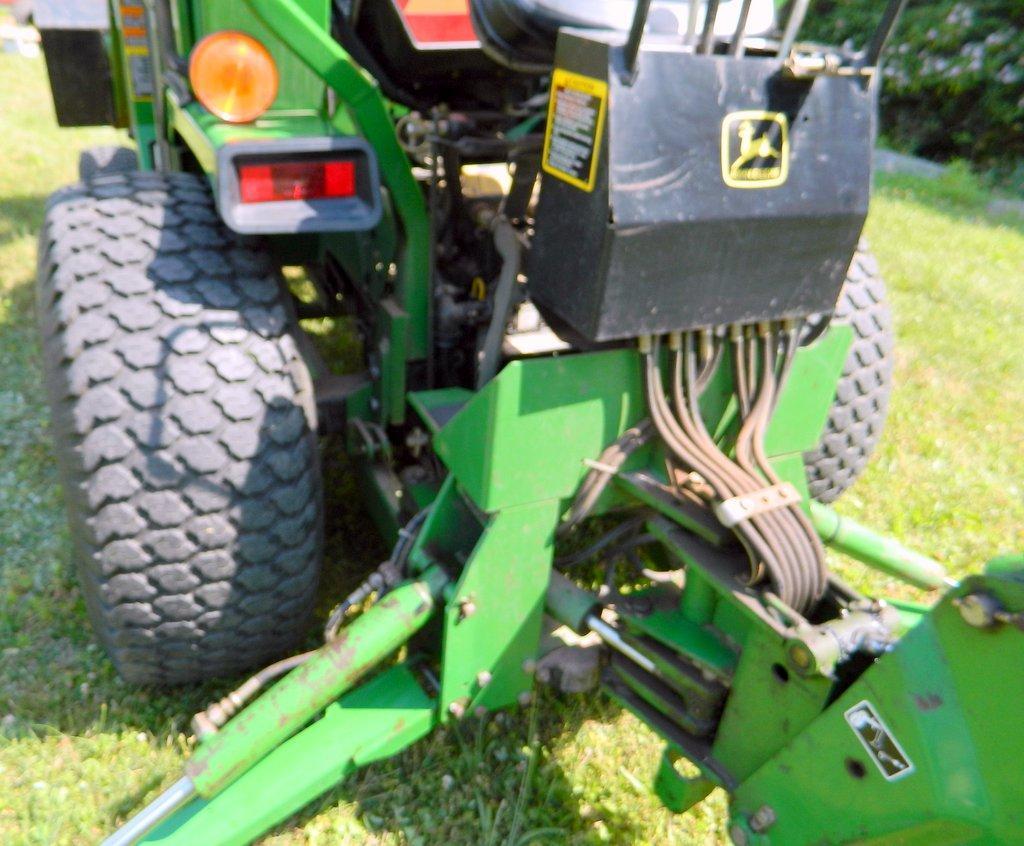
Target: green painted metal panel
column 562, row 410
column 393, row 351
column 136, row 111
column 492, row 621
column 952, row 697
column 381, row 496
column 803, row 406
column 768, row 704
column 204, row 134
column 377, row 720
column 184, row 31
column 525, row 435
column 434, row 408
column 300, row 89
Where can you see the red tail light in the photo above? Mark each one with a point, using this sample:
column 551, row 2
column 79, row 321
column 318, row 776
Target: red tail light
column 303, row 180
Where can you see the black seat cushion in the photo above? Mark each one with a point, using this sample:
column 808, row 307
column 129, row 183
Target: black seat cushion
column 521, row 34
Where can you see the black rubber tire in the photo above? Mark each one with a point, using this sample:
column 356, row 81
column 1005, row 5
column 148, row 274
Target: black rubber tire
column 183, row 422
column 858, row 413
column 106, row 161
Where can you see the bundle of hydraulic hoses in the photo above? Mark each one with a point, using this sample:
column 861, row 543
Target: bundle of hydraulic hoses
column 784, row 550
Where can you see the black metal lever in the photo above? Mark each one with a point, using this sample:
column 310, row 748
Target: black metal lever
column 631, row 50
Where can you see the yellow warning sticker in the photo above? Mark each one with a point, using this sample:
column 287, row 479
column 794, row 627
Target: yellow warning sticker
column 755, row 149
column 576, row 115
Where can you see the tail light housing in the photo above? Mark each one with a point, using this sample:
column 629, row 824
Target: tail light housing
column 299, row 185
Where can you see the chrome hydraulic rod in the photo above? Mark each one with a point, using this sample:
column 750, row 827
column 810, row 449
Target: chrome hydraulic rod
column 612, row 637
column 155, row 812
column 580, row 611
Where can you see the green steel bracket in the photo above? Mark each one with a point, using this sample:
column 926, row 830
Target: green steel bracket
column 676, row 791
column 379, row 719
column 799, row 418
column 766, row 692
column 924, row 748
column 569, row 604
column 564, row 410
column 681, row 631
column 524, row 436
column 492, row 623
column 492, row 618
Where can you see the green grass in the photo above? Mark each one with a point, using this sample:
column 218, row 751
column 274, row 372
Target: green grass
column 78, row 749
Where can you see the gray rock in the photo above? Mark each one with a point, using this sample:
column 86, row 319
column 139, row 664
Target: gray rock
column 886, row 161
column 1006, row 207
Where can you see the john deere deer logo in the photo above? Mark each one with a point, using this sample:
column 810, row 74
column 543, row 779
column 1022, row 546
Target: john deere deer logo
column 755, row 149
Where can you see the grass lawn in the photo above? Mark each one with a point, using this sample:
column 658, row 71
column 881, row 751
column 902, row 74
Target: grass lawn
column 79, row 749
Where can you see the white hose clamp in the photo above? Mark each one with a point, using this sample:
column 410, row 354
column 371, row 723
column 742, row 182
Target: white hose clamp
column 731, row 512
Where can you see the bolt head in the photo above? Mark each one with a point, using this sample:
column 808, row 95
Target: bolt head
column 763, row 818
column 529, row 666
column 457, row 710
column 483, row 678
column 480, row 711
column 800, row 656
column 979, row 610
column 467, row 608
column 525, row 698
column 738, row 835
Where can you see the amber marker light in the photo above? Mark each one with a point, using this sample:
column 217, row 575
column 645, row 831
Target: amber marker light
column 233, row 76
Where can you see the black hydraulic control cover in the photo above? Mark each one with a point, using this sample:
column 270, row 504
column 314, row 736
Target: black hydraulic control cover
column 711, row 191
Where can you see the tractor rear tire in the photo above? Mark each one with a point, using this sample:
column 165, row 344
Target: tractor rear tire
column 183, row 421
column 106, row 161
column 858, row 412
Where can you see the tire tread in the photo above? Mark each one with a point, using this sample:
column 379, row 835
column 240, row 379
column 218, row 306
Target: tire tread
column 180, row 412
column 859, row 410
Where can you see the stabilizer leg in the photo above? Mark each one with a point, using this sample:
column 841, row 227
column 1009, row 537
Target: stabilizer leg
column 373, row 722
column 253, row 737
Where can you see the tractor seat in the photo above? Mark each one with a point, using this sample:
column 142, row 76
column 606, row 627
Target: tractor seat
column 521, row 34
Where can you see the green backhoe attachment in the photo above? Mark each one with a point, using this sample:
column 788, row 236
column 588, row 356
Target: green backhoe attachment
column 602, row 275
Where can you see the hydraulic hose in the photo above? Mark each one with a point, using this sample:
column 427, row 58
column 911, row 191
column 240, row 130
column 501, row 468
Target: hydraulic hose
column 687, row 408
column 781, row 543
column 678, row 443
column 210, row 721
column 601, row 474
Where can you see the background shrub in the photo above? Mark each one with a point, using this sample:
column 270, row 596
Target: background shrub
column 953, row 78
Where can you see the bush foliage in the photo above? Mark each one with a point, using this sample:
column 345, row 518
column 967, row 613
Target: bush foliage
column 953, row 76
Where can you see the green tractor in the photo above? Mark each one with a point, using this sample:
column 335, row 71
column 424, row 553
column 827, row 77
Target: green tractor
column 619, row 344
